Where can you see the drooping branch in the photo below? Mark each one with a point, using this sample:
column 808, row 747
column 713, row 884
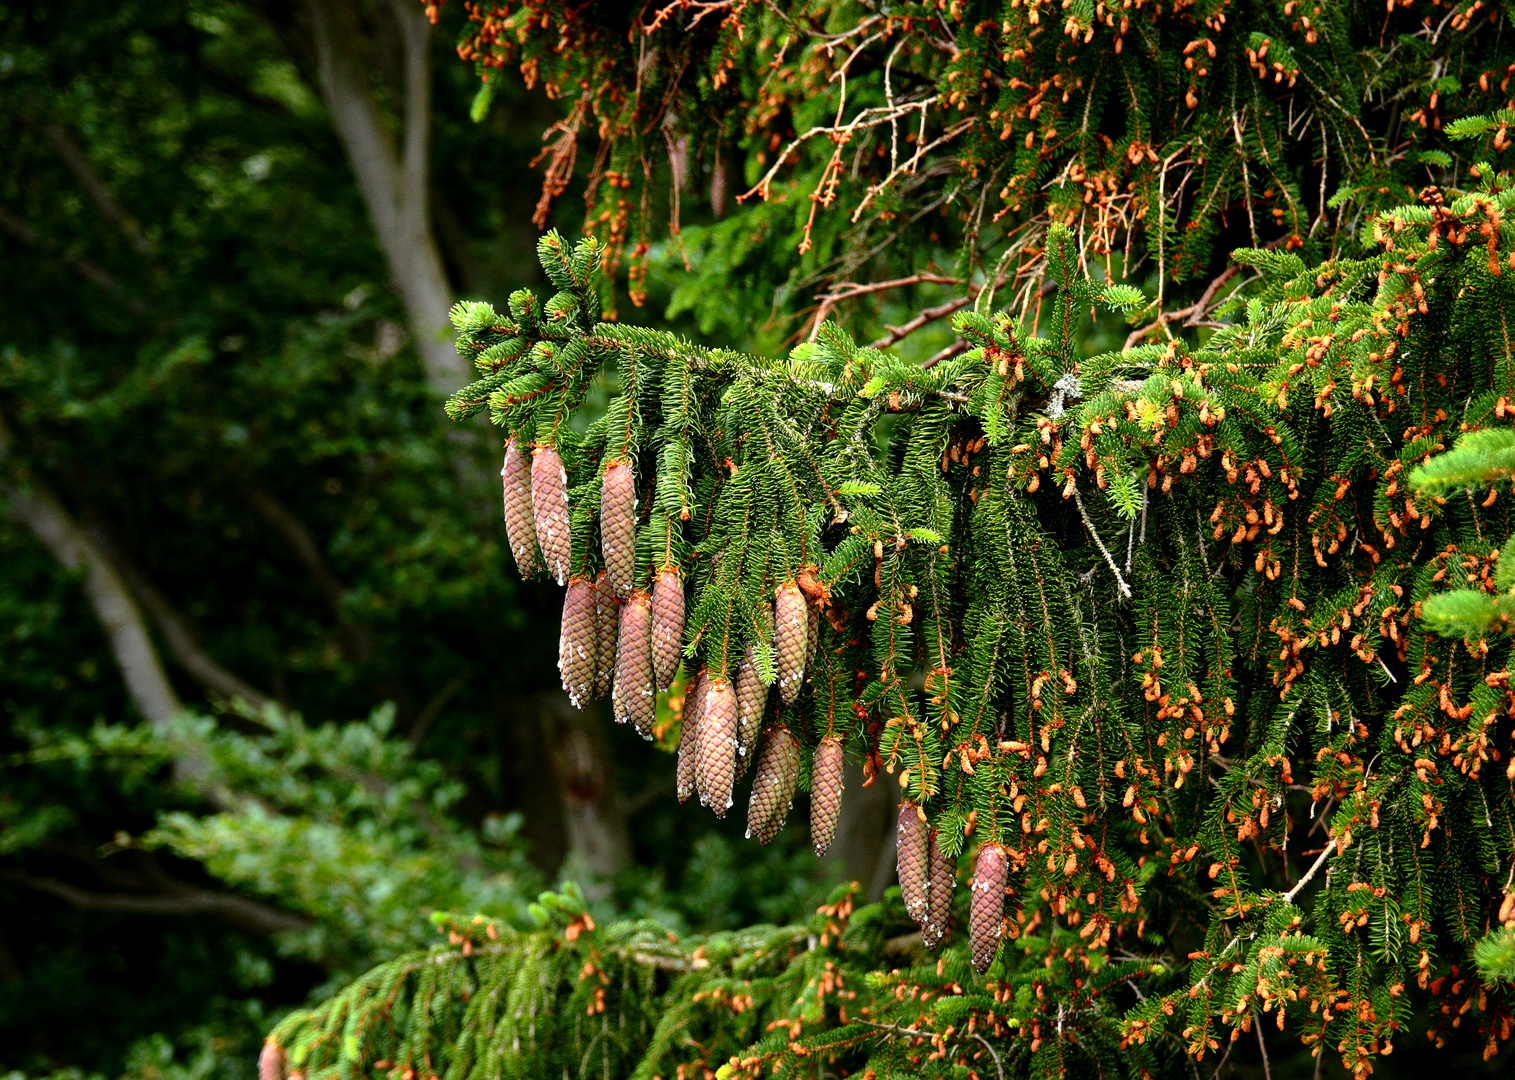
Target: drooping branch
column 180, row 899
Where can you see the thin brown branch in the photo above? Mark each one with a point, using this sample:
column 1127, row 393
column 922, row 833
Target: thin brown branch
column 180, row 900
column 77, row 162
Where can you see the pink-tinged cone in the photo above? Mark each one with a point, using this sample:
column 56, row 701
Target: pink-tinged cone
column 986, row 905
column 549, row 509
column 825, row 793
column 943, row 877
column 632, row 697
column 751, row 700
column 791, row 629
column 911, row 853
column 578, row 645
column 778, row 771
column 667, row 626
column 618, row 520
column 607, row 625
column 686, row 774
column 716, row 772
column 520, row 528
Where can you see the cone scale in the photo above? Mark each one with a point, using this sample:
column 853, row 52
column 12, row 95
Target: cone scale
column 911, row 853
column 578, row 641
column 778, row 771
column 825, row 793
column 549, row 508
column 520, row 528
column 986, row 905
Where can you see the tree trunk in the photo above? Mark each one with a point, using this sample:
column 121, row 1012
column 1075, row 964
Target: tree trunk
column 864, row 844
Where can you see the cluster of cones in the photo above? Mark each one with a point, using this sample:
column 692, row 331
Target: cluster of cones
column 620, row 640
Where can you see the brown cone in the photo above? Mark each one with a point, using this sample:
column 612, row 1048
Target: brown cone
column 689, row 738
column 667, row 626
column 943, row 877
column 273, row 1064
column 716, row 770
column 607, row 623
column 618, row 521
column 751, row 700
column 520, row 530
column 791, row 629
column 911, row 854
column 632, row 696
column 986, row 905
column 825, row 793
column 778, row 771
column 578, row 641
column 549, row 508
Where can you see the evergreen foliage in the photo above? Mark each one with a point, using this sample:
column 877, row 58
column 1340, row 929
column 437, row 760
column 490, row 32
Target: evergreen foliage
column 1144, row 624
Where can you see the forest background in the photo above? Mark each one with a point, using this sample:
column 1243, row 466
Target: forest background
column 243, row 546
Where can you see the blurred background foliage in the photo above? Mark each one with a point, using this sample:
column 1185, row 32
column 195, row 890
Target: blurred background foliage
column 214, row 381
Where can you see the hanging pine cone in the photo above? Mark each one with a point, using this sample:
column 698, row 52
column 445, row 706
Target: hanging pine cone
column 911, row 854
column 715, row 773
column 986, row 905
column 618, row 521
column 607, row 623
column 515, row 475
column 942, row 871
column 751, row 700
column 825, row 793
column 578, row 641
column 549, row 508
column 689, row 738
column 667, row 626
column 791, row 629
column 778, row 771
column 812, row 634
column 273, row 1063
column 632, row 695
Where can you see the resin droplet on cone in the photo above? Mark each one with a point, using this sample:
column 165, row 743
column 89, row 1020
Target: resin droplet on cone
column 791, row 631
column 942, row 875
column 549, row 510
column 667, row 626
column 986, row 905
column 632, row 696
column 578, row 641
column 825, row 793
column 778, row 771
column 520, row 528
column 607, row 626
column 618, row 519
column 716, row 772
column 686, row 773
column 911, row 853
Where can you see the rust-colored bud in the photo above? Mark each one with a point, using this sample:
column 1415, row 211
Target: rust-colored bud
column 778, row 771
column 751, row 701
column 825, row 793
column 273, row 1063
column 667, row 626
column 632, row 696
column 520, row 529
column 716, row 772
column 986, row 905
column 618, row 523
column 942, row 871
column 549, row 509
column 607, row 622
column 791, row 629
column 911, row 851
column 578, row 641
column 685, row 776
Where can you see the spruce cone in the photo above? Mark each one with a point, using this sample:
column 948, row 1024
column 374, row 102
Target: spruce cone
column 519, row 528
column 273, row 1063
column 689, row 738
column 986, row 905
column 813, row 634
column 549, row 508
column 911, row 852
column 791, row 629
column 716, row 770
column 751, row 700
column 618, row 521
column 578, row 641
column 607, row 619
column 943, row 877
column 667, row 626
column 632, row 696
column 778, row 771
column 825, row 793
